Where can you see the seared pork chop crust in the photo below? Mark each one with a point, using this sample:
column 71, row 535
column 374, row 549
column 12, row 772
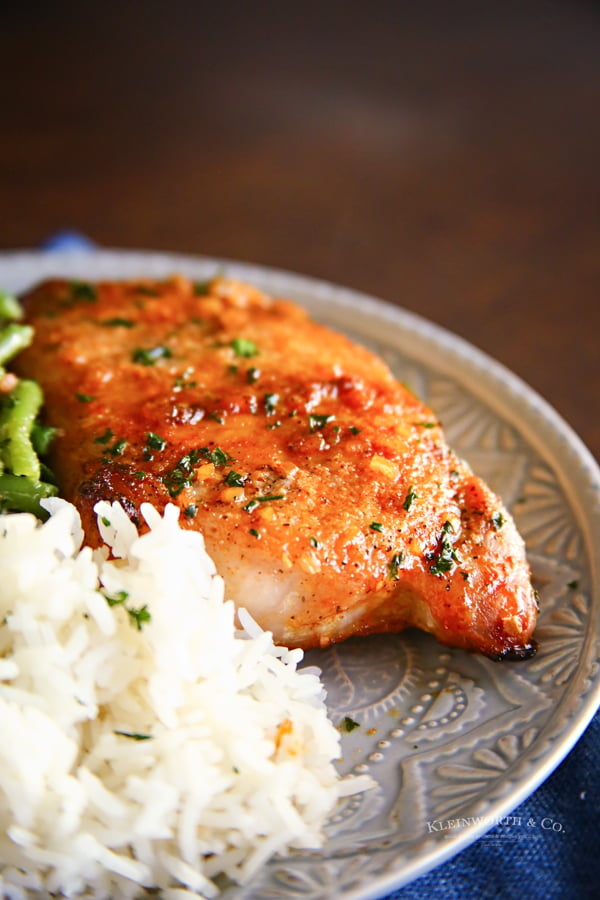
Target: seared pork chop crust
column 325, row 490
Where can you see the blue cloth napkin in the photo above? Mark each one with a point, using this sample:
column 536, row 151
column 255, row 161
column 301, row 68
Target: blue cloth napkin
column 67, row 240
column 558, row 857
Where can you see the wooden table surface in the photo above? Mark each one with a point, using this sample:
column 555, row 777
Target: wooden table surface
column 443, row 156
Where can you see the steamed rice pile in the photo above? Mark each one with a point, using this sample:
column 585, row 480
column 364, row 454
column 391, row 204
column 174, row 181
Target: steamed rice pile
column 143, row 740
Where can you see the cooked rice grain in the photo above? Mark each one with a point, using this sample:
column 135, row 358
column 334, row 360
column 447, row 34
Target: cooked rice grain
column 145, row 741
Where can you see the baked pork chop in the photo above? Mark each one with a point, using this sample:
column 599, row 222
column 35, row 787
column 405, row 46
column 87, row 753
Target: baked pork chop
column 325, row 491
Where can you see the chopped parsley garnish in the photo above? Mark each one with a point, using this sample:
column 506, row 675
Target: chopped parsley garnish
column 104, row 438
column 316, row 422
column 349, row 724
column 181, row 476
column 376, row 526
column 139, row 617
column 254, row 532
column 314, row 542
column 268, row 497
column 354, row 429
column 234, row 479
column 217, row 456
column 190, row 511
column 84, row 398
column 201, row 288
column 446, row 557
column 133, row 735
column 244, row 347
column 148, row 356
column 215, row 417
column 252, row 504
column 426, row 424
column 497, row 520
column 119, row 598
column 252, row 375
column 395, row 564
column 155, row 441
column 118, row 448
column 117, row 322
column 410, row 498
column 83, row 290
column 271, row 401
column 182, row 382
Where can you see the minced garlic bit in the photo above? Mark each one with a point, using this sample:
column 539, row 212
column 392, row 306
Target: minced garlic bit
column 203, row 473
column 512, row 625
column 384, row 466
column 309, row 563
column 233, row 495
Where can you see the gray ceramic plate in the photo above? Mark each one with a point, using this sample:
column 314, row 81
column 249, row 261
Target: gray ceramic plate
column 454, row 741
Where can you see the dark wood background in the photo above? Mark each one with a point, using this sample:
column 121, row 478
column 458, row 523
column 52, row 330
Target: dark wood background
column 441, row 155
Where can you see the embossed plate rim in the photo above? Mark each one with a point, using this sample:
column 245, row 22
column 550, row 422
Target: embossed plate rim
column 511, row 399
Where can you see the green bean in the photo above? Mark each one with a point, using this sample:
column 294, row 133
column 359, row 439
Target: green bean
column 41, row 437
column 10, row 308
column 24, row 479
column 21, row 494
column 14, row 338
column 20, row 411
column 47, row 474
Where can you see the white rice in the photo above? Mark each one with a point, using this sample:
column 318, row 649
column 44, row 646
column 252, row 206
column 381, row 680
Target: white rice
column 162, row 756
